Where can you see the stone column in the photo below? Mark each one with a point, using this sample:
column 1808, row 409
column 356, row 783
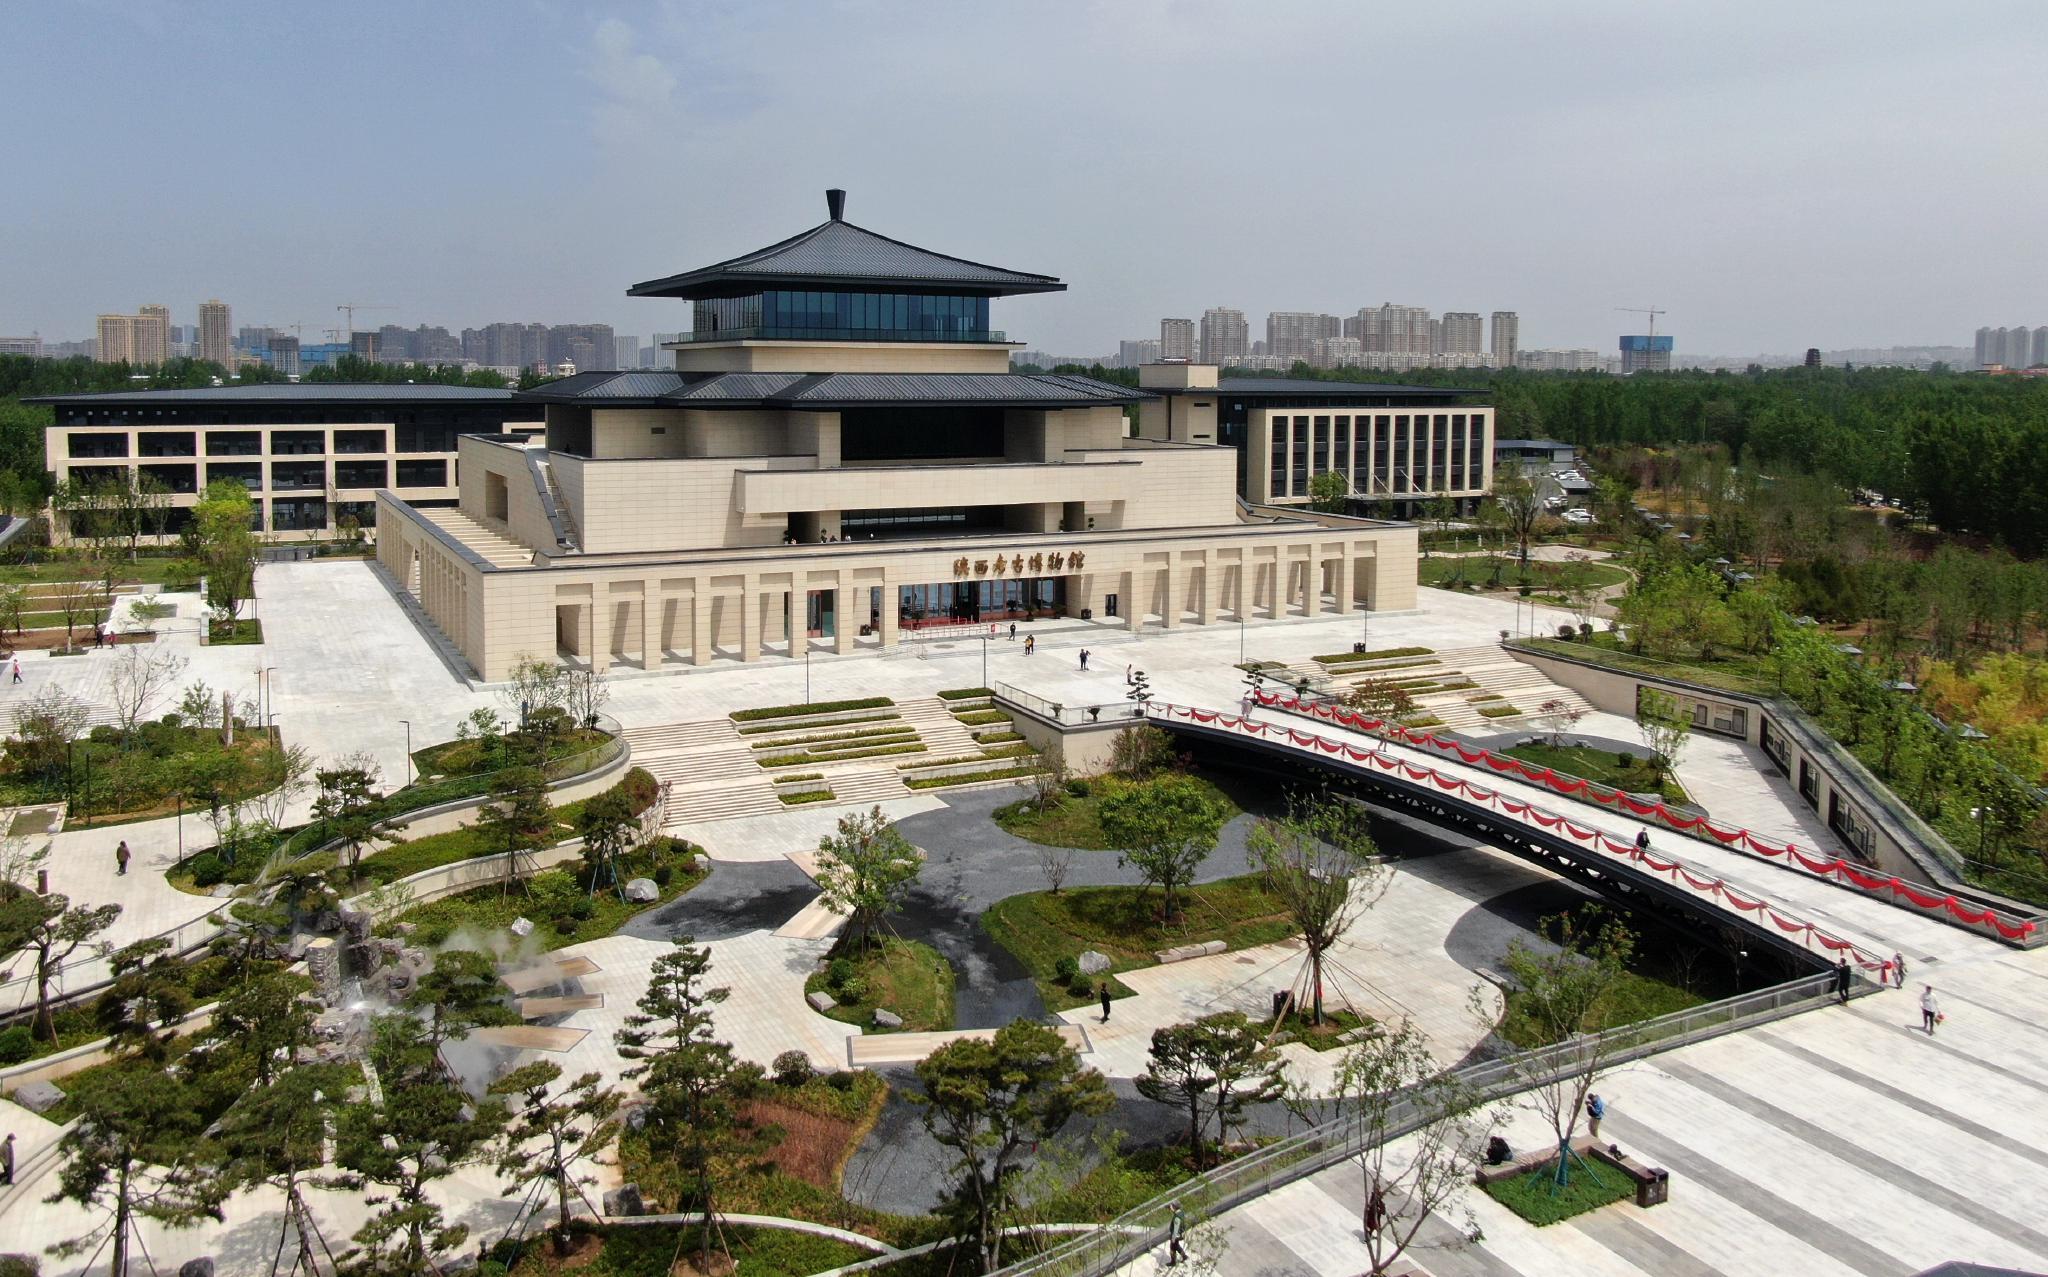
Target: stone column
column 650, row 634
column 1340, row 582
column 846, row 614
column 1170, row 590
column 700, row 624
column 1210, row 569
column 1128, row 601
column 602, row 639
column 890, row 599
column 751, row 605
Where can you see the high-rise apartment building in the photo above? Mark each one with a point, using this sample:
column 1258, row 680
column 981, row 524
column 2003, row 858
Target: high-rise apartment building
column 283, row 351
column 626, row 351
column 31, row 345
column 1136, row 354
column 214, row 343
column 587, row 346
column 1226, row 337
column 254, row 341
column 1177, row 339
column 1464, row 333
column 152, row 334
column 116, row 343
column 1645, row 354
column 1395, row 330
column 1293, row 334
column 1506, row 342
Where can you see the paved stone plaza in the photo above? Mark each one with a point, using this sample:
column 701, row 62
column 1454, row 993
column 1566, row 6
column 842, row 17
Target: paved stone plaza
column 1842, row 1141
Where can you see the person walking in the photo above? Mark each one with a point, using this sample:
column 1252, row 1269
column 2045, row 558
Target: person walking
column 1930, row 1009
column 1176, row 1234
column 1596, row 1108
column 1642, row 841
column 121, row 855
column 1102, row 990
column 1843, row 979
column 1030, row 644
column 7, row 1159
column 1084, row 660
column 1899, row 970
column 1127, row 674
column 1013, row 631
column 17, row 669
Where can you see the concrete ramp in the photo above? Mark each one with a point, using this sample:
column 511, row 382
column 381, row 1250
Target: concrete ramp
column 535, row 1008
column 873, row 1049
column 815, row 921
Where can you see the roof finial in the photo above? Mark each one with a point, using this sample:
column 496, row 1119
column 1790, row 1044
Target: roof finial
column 835, row 200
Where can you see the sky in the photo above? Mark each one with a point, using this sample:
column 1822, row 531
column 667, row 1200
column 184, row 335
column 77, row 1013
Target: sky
column 1774, row 175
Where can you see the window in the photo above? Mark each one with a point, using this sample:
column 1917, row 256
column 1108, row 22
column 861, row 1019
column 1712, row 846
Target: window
column 285, row 475
column 360, row 474
column 234, row 443
column 423, row 474
column 1278, row 425
column 174, row 478
column 166, row 443
column 96, row 445
column 298, row 443
column 497, row 497
column 247, row 473
column 359, row 441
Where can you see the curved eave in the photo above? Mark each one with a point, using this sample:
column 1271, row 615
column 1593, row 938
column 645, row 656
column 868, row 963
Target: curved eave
column 703, row 284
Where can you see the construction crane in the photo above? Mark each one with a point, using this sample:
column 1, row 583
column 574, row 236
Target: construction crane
column 350, row 309
column 1651, row 311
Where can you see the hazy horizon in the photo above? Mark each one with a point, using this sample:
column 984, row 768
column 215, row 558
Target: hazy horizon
column 1775, row 177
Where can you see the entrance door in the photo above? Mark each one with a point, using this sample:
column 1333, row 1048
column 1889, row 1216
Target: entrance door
column 1109, row 605
column 821, row 614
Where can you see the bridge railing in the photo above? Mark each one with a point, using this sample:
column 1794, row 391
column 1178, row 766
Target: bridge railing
column 1060, row 712
column 1140, row 1229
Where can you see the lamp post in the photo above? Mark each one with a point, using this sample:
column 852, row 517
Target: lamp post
column 984, row 660
column 269, row 695
column 807, row 669
column 1240, row 636
column 408, row 744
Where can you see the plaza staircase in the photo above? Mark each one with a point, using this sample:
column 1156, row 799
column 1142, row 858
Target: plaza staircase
column 1489, row 667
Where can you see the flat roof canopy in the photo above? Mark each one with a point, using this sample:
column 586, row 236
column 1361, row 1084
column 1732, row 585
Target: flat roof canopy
column 822, row 391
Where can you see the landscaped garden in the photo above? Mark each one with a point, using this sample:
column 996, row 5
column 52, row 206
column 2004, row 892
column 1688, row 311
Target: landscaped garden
column 568, row 905
column 1616, row 769
column 1073, row 816
column 1048, row 931
column 653, row 1250
column 907, row 978
column 1537, row 1196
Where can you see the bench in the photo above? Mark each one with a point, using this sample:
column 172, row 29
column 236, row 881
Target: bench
column 1653, row 1183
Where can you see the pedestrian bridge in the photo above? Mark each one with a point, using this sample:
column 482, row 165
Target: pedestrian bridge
column 1806, row 907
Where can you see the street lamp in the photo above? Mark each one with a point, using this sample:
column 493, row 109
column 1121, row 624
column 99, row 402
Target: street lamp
column 807, row 669
column 408, row 744
column 269, row 695
column 984, row 660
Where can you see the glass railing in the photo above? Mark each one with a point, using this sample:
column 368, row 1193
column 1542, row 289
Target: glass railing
column 777, row 332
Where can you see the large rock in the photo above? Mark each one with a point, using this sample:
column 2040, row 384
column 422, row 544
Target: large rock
column 521, row 927
column 642, row 891
column 38, row 1097
column 200, row 1267
column 1181, row 953
column 701, row 861
column 1092, row 962
column 624, row 1200
column 885, row 1019
column 820, row 1000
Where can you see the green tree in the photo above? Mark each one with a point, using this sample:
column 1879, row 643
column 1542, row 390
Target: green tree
column 1665, row 725
column 1520, row 509
column 1563, row 999
column 865, row 870
column 570, row 1123
column 265, row 1020
column 517, row 821
column 1246, row 1068
column 1320, row 860
column 348, row 806
column 607, row 826
column 460, row 992
column 698, row 1123
column 989, row 1101
column 226, row 546
column 275, row 1136
column 151, row 991
column 131, row 1154
column 50, row 929
column 1178, row 1073
column 1165, row 827
column 1327, row 490
column 417, row 1129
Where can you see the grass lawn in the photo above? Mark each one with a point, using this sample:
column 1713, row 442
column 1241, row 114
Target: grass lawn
column 111, row 782
column 1601, row 766
column 1122, row 923
column 1075, row 820
column 1667, row 972
column 903, row 976
column 562, row 917
column 1735, row 671
column 1478, row 571
column 515, row 749
column 223, row 634
column 1536, row 1197
column 648, row 1250
column 1127, row 1179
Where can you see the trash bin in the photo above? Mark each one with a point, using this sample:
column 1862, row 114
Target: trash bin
column 1654, row 1187
column 1283, row 1002
column 1357, row 647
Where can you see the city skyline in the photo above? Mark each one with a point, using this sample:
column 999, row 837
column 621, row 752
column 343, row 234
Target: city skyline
column 1773, row 185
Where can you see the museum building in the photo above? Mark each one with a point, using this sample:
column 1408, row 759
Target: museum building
column 840, row 459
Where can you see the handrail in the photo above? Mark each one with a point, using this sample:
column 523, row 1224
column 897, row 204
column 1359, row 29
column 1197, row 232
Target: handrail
column 1062, row 713
column 1143, row 1227
column 1679, row 871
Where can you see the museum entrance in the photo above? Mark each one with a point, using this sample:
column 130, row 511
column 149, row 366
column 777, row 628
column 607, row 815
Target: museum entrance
column 954, row 602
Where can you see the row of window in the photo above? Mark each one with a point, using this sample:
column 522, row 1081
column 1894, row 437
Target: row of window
column 284, row 475
column 252, row 443
column 1385, row 455
column 872, row 312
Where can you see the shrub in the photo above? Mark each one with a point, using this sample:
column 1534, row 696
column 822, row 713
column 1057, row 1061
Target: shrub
column 104, row 734
column 817, row 707
column 1566, row 632
column 792, row 1068
column 16, row 1044
column 1079, row 787
column 664, row 875
column 1080, row 986
column 840, row 972
column 1066, row 969
column 173, row 719
column 207, row 869
column 964, row 693
column 582, row 909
